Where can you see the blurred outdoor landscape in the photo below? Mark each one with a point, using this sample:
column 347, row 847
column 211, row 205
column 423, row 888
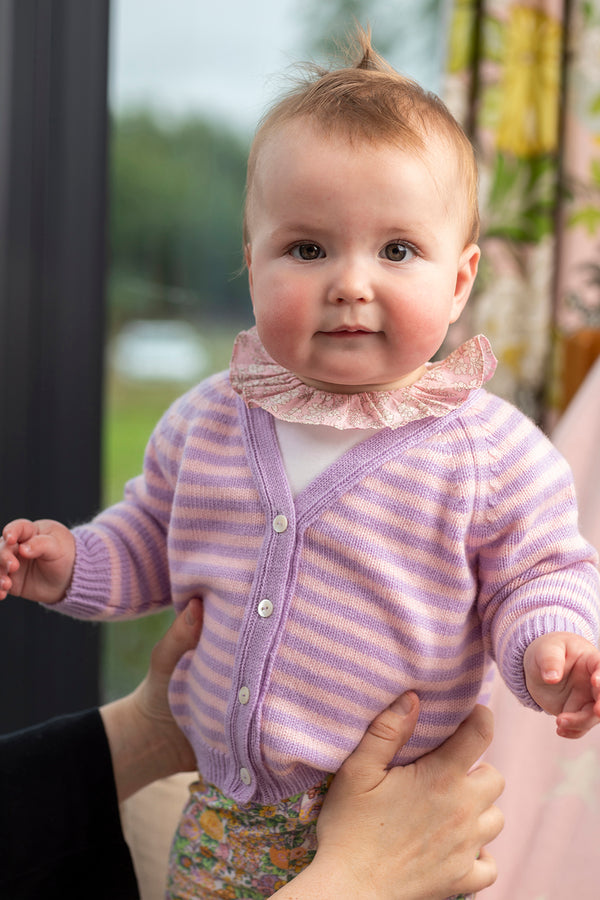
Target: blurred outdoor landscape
column 176, row 298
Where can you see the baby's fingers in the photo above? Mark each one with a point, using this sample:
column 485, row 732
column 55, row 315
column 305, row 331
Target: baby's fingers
column 39, row 546
column 5, row 586
column 8, row 566
column 18, row 531
column 551, row 663
column 8, row 559
column 595, row 682
column 575, row 724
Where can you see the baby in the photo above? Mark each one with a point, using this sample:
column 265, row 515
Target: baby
column 358, row 520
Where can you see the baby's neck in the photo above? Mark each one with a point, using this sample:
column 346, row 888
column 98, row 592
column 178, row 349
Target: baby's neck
column 334, row 388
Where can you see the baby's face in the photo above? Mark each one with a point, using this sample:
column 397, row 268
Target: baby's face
column 356, row 259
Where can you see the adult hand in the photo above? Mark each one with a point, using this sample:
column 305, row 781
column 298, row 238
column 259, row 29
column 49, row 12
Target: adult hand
column 415, row 832
column 145, row 743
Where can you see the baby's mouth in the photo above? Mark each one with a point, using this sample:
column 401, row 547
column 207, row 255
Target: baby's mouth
column 350, row 329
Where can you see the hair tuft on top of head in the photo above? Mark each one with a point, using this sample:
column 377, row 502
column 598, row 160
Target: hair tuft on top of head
column 361, row 54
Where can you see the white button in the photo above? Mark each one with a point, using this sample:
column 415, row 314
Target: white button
column 243, row 695
column 245, row 776
column 280, row 523
column 265, row 608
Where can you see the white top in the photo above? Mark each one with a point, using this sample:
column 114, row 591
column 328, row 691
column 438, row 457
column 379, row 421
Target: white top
column 307, row 450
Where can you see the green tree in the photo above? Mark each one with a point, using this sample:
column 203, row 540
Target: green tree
column 176, row 210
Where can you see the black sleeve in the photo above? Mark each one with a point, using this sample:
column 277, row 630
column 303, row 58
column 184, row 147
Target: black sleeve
column 60, row 831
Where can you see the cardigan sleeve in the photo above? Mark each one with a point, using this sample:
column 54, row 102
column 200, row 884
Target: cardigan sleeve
column 60, row 830
column 121, row 567
column 536, row 572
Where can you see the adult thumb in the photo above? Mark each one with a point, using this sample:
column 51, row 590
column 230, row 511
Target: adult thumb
column 182, row 635
column 366, row 767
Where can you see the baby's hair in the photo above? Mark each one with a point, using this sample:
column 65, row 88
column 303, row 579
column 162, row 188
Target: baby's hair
column 367, row 99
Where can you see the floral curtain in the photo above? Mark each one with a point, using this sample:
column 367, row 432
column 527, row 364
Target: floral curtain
column 524, row 78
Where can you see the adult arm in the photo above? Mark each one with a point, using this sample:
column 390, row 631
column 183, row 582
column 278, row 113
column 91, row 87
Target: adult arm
column 60, row 831
column 145, row 743
column 416, row 832
column 60, row 783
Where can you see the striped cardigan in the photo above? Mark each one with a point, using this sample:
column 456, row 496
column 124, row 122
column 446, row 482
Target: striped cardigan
column 412, row 560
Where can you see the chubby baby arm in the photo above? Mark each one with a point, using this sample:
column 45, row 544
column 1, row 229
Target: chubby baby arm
column 36, row 560
column 562, row 673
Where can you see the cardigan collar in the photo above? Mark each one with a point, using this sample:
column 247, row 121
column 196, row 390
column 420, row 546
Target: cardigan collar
column 444, row 386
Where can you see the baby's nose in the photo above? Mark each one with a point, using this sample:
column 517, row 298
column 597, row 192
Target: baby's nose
column 351, row 284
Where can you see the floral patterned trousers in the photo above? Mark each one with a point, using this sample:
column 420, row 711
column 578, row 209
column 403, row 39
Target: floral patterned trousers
column 222, row 851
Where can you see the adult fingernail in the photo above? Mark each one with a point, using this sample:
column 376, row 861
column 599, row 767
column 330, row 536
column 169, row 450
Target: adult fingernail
column 193, row 612
column 404, row 704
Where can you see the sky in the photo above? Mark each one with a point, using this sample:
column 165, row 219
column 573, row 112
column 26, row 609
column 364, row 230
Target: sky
column 222, row 59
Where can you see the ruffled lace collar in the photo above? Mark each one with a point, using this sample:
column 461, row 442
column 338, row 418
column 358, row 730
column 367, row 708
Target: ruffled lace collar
column 444, row 386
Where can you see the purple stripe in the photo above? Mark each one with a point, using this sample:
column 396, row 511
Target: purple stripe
column 418, row 669
column 398, row 611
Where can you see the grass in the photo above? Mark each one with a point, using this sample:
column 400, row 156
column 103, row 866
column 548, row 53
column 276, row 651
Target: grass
column 132, row 409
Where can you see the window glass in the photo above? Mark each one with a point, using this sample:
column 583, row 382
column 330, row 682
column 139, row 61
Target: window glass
column 188, row 81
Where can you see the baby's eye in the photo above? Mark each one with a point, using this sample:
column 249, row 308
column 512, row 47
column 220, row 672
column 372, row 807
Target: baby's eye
column 398, row 252
column 307, row 252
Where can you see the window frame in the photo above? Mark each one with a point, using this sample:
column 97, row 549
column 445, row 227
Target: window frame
column 53, row 214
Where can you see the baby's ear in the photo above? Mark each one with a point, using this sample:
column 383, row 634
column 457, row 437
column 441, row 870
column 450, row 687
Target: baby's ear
column 465, row 277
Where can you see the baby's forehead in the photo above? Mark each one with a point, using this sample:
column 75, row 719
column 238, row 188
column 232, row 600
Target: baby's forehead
column 430, row 149
column 289, row 142
column 298, row 142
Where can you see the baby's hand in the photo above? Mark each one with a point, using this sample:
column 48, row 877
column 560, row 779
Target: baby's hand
column 36, row 560
column 562, row 672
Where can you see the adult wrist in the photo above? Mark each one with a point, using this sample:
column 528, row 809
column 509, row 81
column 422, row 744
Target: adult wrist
column 141, row 753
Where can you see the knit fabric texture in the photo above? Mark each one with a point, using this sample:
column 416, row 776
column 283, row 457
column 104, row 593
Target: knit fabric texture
column 419, row 555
